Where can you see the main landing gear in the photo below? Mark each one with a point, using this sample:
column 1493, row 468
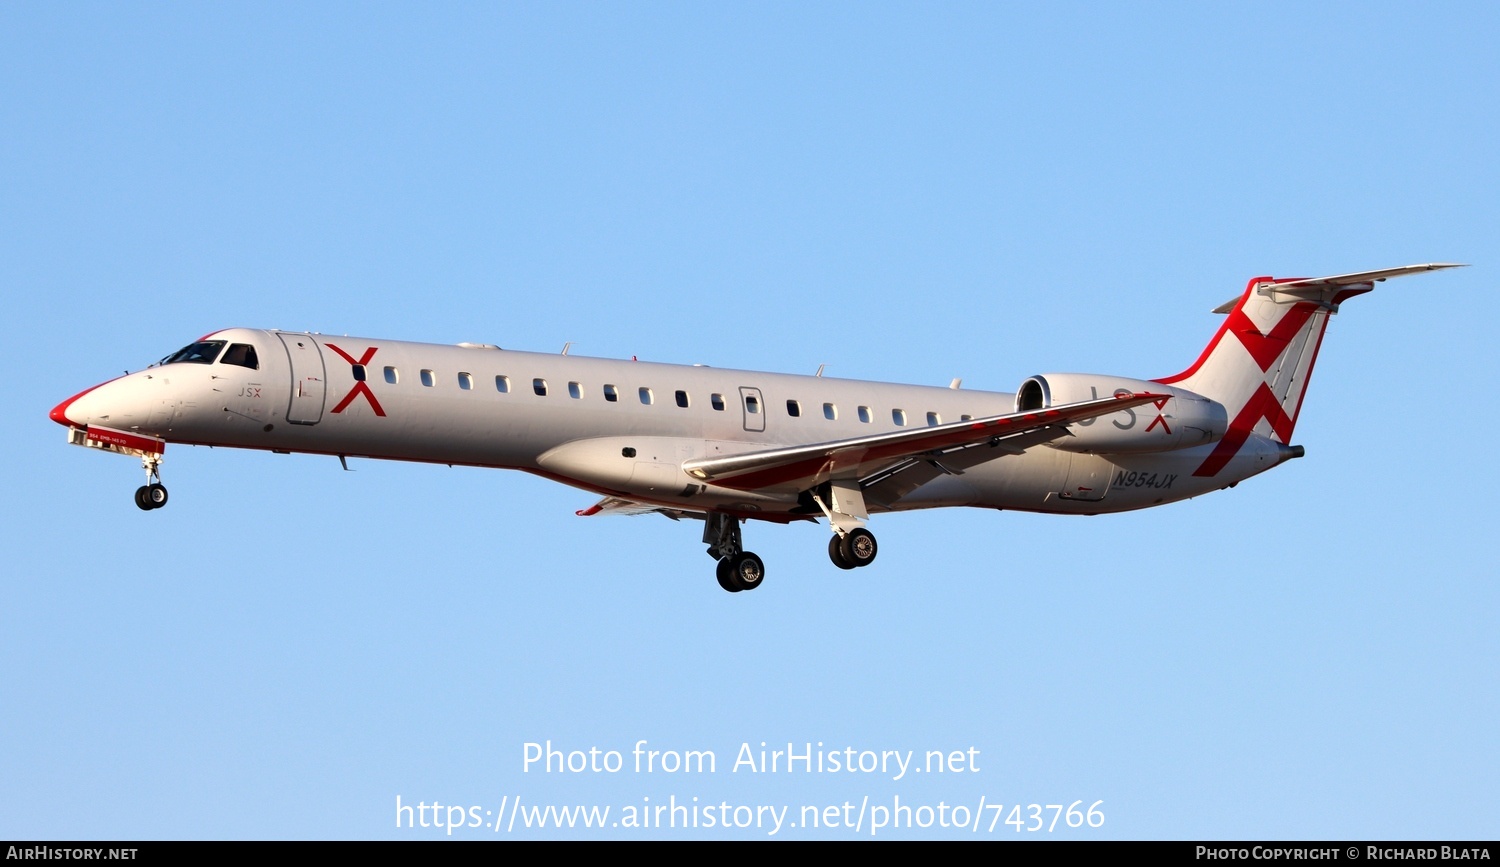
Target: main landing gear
column 852, row 546
column 153, row 494
column 852, row 549
column 738, row 569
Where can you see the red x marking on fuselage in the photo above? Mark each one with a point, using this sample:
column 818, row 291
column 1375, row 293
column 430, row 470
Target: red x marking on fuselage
column 1160, row 419
column 360, row 387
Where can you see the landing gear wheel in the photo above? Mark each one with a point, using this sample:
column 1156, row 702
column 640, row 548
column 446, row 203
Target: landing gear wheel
column 726, row 579
column 836, row 552
column 746, row 570
column 156, row 495
column 858, row 547
column 143, row 498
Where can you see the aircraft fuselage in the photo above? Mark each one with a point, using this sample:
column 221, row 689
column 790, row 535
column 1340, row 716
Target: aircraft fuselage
column 614, row 427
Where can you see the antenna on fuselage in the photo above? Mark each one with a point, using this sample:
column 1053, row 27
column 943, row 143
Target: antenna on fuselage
column 567, row 346
column 820, row 370
column 957, row 381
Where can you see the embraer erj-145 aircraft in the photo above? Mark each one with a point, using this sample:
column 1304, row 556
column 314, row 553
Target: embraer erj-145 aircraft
column 724, row 446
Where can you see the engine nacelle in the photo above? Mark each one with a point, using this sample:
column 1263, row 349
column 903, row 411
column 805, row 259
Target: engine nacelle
column 1181, row 421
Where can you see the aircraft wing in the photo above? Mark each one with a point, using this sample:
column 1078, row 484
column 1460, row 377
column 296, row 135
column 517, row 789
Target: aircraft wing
column 804, row 466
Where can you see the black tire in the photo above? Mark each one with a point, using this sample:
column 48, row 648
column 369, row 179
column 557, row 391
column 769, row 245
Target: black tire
column 836, row 552
column 142, row 499
column 156, row 495
column 858, row 547
column 747, row 570
column 726, row 577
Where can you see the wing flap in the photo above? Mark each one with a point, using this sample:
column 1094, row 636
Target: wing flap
column 623, row 506
column 888, row 486
column 803, row 466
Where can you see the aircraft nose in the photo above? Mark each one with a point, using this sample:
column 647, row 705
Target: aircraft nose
column 59, row 413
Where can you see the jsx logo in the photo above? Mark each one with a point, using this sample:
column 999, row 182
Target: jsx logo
column 1160, row 419
column 360, row 386
column 1130, row 413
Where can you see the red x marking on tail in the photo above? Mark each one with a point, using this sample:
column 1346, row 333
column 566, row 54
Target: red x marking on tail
column 360, row 387
column 1266, row 347
column 1261, row 405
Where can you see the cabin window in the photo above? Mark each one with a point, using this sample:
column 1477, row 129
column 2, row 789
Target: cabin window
column 427, row 379
column 752, row 404
column 645, row 395
column 830, row 412
column 392, row 376
column 933, row 419
column 864, row 414
column 966, row 418
column 502, row 384
column 359, row 372
column 716, row 400
column 242, row 354
column 611, row 393
column 794, row 409
column 466, row 381
column 898, row 416
column 575, row 390
column 682, row 398
column 539, row 386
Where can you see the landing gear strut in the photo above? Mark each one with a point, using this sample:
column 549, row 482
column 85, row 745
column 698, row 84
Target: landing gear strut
column 738, row 569
column 153, row 494
column 852, row 546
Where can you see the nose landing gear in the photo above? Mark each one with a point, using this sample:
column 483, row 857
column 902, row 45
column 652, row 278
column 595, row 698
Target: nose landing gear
column 153, row 494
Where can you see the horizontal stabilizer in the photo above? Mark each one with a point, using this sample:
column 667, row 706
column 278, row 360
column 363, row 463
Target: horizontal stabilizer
column 1316, row 288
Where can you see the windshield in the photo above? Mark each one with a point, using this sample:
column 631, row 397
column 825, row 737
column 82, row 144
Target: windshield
column 202, row 352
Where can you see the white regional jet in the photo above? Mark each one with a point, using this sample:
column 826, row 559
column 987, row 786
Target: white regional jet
column 724, row 446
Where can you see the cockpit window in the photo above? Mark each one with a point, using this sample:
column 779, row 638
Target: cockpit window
column 242, row 354
column 202, row 352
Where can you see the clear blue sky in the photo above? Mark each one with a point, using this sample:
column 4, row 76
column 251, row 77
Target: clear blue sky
column 903, row 192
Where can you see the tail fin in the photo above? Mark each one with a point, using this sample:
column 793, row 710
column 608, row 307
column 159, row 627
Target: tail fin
column 1259, row 363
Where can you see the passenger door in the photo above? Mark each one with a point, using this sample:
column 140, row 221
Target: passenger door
column 309, row 378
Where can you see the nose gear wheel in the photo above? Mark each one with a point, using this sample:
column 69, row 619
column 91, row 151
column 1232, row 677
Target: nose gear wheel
column 153, row 494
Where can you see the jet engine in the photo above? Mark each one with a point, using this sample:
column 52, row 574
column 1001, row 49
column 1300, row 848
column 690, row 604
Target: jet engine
column 1181, row 419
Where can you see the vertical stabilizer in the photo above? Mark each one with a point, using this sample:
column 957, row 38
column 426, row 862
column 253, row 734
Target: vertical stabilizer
column 1259, row 363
